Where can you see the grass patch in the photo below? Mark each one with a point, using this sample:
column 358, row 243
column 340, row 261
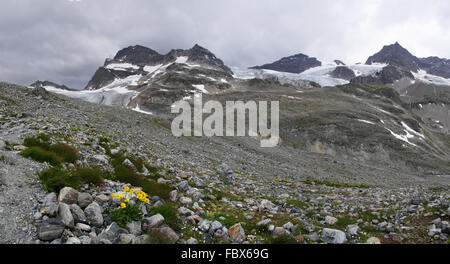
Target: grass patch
column 55, row 178
column 127, row 175
column 66, row 152
column 336, row 184
column 41, row 155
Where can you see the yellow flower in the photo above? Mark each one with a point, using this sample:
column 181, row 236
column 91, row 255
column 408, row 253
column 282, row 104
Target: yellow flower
column 132, row 191
column 119, row 196
column 126, row 188
column 123, row 205
column 126, row 200
column 113, row 194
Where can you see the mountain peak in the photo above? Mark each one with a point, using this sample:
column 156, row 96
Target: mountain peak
column 297, row 63
column 137, row 54
column 395, row 55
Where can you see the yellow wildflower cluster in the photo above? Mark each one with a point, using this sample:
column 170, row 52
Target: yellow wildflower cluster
column 130, row 193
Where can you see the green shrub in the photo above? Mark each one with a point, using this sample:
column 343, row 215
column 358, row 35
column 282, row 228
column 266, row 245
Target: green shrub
column 41, row 140
column 90, row 175
column 41, row 155
column 66, row 152
column 170, row 214
column 55, row 178
column 127, row 175
column 104, row 139
column 122, row 216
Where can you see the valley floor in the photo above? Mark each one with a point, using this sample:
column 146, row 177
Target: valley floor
column 225, row 190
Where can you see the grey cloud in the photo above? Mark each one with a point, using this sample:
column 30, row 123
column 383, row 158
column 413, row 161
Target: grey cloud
column 65, row 41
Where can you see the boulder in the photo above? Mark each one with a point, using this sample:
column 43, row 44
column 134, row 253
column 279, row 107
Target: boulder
column 94, row 215
column 68, row 195
column 333, row 236
column 237, row 233
column 152, row 222
column 50, row 229
column 84, row 199
column 66, row 215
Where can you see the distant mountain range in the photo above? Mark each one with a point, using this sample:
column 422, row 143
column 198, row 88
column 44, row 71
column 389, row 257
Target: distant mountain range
column 146, row 81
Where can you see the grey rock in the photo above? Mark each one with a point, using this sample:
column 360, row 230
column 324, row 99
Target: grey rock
column 66, row 215
column 152, row 222
column 333, row 236
column 264, row 222
column 84, row 199
column 50, row 230
column 68, row 195
column 73, row 241
column 129, row 164
column 83, row 227
column 94, row 215
column 111, row 233
column 78, row 214
column 166, row 234
column 134, row 228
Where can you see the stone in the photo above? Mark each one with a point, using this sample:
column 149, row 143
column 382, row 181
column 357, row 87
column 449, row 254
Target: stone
column 289, row 226
column 205, row 225
column 185, row 211
column 50, row 230
column 73, row 241
column 134, row 228
column 173, row 195
column 266, row 206
column 102, row 198
column 83, row 227
column 264, row 222
column 373, row 240
column 84, row 199
column 112, row 232
column 85, row 240
column 100, row 159
column 126, row 239
column 352, row 231
column 215, row 225
column 66, row 215
column 152, row 222
column 77, row 213
column 183, row 186
column 192, row 241
column 166, row 234
column 68, row 195
column 129, row 164
column 93, row 214
column 226, row 172
column 49, row 207
column 185, row 200
column 142, row 239
column 237, row 233
column 330, row 220
column 333, row 236
column 279, row 232
column 194, row 219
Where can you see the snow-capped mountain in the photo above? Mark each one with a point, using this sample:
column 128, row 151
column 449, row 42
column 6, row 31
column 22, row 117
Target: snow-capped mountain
column 50, row 85
column 294, row 64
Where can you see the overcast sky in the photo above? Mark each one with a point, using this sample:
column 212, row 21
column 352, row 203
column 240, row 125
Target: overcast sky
column 65, row 41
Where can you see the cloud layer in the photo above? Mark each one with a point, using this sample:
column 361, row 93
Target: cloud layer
column 65, row 41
